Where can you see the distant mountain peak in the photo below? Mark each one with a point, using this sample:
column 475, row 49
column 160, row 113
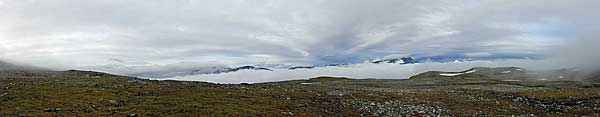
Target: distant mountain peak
column 403, row 60
column 247, row 67
column 310, row 67
column 301, row 67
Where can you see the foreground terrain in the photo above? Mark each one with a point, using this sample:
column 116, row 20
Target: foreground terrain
column 476, row 92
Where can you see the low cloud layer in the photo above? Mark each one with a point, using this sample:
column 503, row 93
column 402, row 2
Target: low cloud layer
column 106, row 34
column 359, row 71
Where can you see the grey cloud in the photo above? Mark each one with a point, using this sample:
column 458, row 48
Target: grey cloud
column 83, row 34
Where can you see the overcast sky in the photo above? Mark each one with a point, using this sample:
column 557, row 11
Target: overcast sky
column 114, row 33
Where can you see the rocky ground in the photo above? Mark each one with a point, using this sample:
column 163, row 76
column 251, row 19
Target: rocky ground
column 483, row 93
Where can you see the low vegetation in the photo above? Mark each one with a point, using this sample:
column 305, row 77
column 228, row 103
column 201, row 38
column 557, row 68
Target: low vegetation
column 75, row 93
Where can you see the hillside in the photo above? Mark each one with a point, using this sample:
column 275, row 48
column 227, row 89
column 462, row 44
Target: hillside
column 86, row 93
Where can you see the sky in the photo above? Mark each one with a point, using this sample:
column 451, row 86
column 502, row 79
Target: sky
column 112, row 35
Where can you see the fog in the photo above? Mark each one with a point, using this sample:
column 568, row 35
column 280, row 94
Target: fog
column 358, row 71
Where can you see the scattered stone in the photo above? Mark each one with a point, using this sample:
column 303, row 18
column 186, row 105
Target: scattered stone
column 136, row 82
column 53, row 110
column 3, row 94
column 147, row 93
column 339, row 93
column 199, row 106
column 117, row 103
column 394, row 108
column 88, row 107
column 547, row 106
column 166, row 85
column 112, row 101
column 133, row 115
column 372, row 94
column 287, row 113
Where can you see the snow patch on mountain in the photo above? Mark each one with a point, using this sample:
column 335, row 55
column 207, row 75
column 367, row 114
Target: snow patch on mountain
column 402, row 60
column 456, row 74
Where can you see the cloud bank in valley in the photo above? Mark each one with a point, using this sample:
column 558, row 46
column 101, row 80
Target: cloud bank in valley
column 144, row 36
column 359, row 71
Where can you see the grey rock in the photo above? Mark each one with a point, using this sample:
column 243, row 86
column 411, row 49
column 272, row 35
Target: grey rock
column 394, row 108
column 117, row 103
column 53, row 110
column 339, row 93
column 136, row 82
column 88, row 108
column 287, row 113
